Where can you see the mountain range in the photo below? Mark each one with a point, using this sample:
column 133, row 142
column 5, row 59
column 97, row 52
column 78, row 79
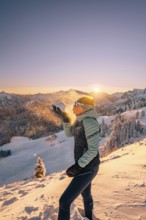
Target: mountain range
column 31, row 116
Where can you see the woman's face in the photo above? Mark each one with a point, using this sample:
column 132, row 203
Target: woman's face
column 78, row 110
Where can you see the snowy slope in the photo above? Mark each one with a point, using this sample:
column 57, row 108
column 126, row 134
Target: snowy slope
column 119, row 190
column 20, row 165
column 57, row 155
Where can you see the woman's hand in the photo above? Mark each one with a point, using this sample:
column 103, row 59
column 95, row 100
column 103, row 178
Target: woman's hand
column 63, row 115
column 73, row 170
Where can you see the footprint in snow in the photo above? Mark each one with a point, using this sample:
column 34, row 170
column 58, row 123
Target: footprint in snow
column 49, row 213
column 10, row 201
column 22, row 192
column 80, row 214
column 30, row 209
column 62, row 177
column 40, row 186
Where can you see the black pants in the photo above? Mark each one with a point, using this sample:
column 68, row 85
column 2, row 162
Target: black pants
column 81, row 184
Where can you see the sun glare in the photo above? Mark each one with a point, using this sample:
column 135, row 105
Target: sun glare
column 96, row 89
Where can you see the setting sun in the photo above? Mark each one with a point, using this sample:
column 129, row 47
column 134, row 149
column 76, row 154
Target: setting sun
column 96, row 89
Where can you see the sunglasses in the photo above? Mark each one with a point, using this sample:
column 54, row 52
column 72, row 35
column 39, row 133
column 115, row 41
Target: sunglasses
column 78, row 104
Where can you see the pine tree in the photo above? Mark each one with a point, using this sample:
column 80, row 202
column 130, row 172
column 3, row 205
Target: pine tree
column 40, row 169
column 104, row 129
column 143, row 113
column 137, row 115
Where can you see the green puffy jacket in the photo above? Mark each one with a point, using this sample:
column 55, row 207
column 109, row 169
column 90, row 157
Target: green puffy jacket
column 91, row 128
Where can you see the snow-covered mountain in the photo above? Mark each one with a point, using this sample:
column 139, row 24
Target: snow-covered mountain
column 119, row 130
column 115, row 130
column 120, row 102
column 30, row 115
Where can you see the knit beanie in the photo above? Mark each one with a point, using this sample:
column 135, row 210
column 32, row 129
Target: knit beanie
column 86, row 102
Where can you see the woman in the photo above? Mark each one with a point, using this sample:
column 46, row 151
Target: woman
column 86, row 135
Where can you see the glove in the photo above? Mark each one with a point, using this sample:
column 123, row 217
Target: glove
column 63, row 115
column 73, row 170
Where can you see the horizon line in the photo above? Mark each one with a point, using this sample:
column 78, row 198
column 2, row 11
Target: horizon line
column 65, row 90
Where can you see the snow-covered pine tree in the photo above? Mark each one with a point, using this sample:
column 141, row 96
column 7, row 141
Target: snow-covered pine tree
column 40, row 169
column 143, row 113
column 137, row 115
column 104, row 129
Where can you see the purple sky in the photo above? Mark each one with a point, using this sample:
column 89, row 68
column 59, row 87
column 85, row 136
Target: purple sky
column 80, row 44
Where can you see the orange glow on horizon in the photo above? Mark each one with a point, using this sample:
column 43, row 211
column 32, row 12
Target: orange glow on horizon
column 26, row 90
column 44, row 90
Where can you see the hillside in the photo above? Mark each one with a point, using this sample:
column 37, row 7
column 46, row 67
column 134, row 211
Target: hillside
column 115, row 132
column 119, row 189
column 20, row 165
column 30, row 115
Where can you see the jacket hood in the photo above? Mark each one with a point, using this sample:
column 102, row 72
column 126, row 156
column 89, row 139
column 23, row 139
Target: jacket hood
column 89, row 114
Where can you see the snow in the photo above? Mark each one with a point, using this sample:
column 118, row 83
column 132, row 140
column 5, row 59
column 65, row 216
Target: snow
column 132, row 113
column 144, row 120
column 119, row 189
column 4, row 95
column 20, row 164
column 107, row 119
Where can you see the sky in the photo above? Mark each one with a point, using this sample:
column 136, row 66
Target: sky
column 52, row 45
